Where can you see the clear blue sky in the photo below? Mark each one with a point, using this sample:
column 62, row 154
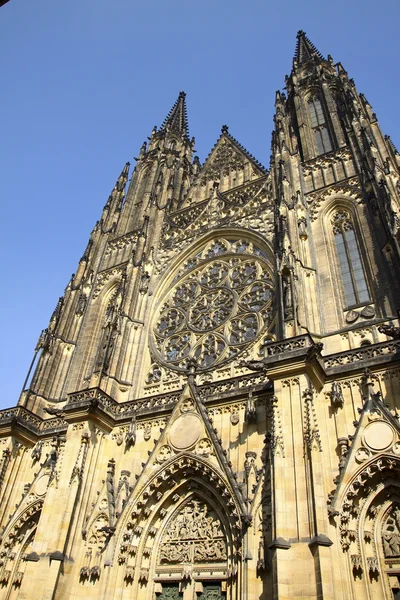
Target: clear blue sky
column 83, row 83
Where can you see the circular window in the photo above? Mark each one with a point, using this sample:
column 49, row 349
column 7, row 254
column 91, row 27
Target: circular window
column 218, row 304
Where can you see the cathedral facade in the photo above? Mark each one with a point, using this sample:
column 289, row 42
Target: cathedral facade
column 212, row 409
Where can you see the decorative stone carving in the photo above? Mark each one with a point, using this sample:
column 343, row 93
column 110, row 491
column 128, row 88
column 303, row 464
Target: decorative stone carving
column 312, row 436
column 81, row 304
column 204, row 447
column 104, row 277
column 250, row 415
column 373, row 564
column 130, row 436
column 391, row 534
column 147, row 433
column 224, row 159
column 187, row 405
column 391, row 331
column 37, row 451
column 195, row 535
column 215, row 310
column 343, row 451
column 235, row 418
column 144, row 282
column 169, row 591
column 352, row 316
column 362, row 455
column 337, row 399
column 368, row 312
column 275, row 436
column 164, row 454
column 302, row 224
column 111, row 328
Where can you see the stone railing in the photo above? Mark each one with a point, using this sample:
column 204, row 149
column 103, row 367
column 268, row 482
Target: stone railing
column 362, row 355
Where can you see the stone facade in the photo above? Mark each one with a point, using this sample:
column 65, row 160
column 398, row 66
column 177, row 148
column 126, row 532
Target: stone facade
column 213, row 409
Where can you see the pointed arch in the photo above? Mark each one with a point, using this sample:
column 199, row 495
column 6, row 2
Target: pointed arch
column 187, row 480
column 99, row 316
column 318, row 121
column 343, row 234
column 16, row 544
column 364, row 506
column 232, row 270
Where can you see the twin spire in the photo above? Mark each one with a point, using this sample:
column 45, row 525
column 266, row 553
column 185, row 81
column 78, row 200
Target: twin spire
column 176, row 120
column 305, row 49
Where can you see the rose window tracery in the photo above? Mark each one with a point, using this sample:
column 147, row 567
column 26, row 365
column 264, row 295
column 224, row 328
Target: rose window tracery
column 219, row 303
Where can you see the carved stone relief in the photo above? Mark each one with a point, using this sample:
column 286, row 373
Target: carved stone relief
column 195, row 535
column 391, row 534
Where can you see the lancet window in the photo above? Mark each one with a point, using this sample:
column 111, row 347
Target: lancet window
column 351, row 267
column 319, row 126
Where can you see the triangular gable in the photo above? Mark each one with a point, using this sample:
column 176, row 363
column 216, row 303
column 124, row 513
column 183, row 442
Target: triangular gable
column 375, row 441
column 228, row 155
column 188, row 467
column 190, row 432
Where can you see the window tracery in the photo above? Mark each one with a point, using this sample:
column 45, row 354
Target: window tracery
column 351, row 268
column 319, row 126
column 220, row 302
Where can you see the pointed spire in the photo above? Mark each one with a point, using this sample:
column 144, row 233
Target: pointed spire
column 176, row 119
column 123, row 178
column 305, row 49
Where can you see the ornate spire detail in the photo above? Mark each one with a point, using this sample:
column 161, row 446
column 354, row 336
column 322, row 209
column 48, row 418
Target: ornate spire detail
column 118, row 192
column 176, row 120
column 123, row 178
column 305, row 50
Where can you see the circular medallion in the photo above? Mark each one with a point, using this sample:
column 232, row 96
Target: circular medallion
column 362, row 454
column 185, row 431
column 41, row 485
column 378, row 435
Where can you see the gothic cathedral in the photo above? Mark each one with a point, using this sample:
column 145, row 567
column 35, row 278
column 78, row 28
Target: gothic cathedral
column 213, row 408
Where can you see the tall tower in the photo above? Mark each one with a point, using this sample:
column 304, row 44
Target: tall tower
column 213, row 408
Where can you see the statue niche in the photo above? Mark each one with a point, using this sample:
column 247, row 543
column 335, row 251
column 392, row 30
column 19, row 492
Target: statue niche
column 194, row 536
column 391, row 534
column 110, row 329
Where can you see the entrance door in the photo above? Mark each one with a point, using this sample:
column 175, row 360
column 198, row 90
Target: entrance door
column 211, row 591
column 170, row 591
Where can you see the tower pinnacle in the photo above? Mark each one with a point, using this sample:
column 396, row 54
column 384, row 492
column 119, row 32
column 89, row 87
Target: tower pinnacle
column 305, row 49
column 176, row 120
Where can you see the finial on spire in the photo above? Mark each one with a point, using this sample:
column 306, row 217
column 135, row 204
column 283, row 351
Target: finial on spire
column 224, row 129
column 176, row 119
column 123, row 178
column 305, row 49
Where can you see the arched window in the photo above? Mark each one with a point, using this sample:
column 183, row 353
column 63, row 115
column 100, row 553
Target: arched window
column 172, row 145
column 319, row 126
column 351, row 268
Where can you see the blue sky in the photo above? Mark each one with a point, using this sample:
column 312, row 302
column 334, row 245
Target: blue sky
column 84, row 82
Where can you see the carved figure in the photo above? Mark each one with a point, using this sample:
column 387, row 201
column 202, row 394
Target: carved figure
column 194, row 535
column 391, row 534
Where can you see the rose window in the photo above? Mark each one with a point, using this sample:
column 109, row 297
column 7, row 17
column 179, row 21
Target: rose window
column 220, row 303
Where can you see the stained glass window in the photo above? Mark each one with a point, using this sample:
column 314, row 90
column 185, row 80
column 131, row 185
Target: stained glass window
column 319, row 126
column 352, row 271
column 218, row 305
